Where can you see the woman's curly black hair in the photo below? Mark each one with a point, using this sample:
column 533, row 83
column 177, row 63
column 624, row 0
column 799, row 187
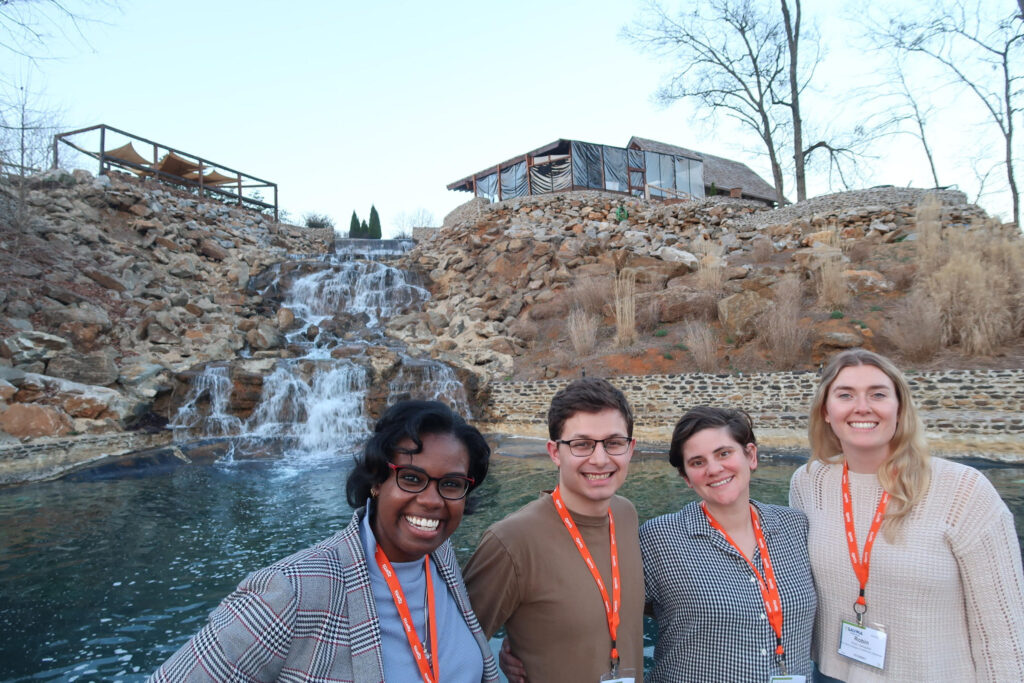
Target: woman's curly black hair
column 411, row 420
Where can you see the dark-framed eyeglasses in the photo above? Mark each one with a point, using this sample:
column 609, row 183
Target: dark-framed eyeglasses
column 613, row 445
column 414, row 480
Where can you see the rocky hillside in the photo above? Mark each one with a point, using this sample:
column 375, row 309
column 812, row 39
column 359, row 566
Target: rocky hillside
column 508, row 277
column 112, row 286
column 116, row 291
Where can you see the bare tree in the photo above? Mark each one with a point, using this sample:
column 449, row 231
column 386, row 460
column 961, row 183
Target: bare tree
column 731, row 58
column 28, row 26
column 27, row 127
column 791, row 24
column 902, row 109
column 743, row 58
column 977, row 50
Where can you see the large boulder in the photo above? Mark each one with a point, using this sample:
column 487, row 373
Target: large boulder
column 97, row 368
column 23, row 420
column 739, row 313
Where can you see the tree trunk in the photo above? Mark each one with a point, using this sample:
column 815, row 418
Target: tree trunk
column 793, row 41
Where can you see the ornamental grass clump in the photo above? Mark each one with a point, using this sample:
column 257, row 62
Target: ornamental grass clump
column 780, row 330
column 625, row 309
column 701, row 340
column 582, row 331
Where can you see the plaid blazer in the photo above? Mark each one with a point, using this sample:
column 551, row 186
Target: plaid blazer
column 308, row 617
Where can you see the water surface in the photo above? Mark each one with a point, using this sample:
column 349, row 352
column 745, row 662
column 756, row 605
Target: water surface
column 103, row 579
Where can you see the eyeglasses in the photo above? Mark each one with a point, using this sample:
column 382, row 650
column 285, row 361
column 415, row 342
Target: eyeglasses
column 414, row 480
column 613, row 445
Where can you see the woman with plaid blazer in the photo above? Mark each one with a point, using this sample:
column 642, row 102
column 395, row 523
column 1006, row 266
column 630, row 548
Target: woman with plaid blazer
column 329, row 613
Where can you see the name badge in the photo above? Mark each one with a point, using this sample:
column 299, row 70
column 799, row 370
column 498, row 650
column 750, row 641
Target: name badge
column 788, row 679
column 620, row 676
column 866, row 645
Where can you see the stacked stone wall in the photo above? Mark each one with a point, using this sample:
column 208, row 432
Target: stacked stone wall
column 969, row 403
column 844, row 206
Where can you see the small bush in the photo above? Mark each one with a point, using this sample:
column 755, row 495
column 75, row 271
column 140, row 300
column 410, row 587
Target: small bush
column 625, row 308
column 582, row 331
column 701, row 340
column 836, row 315
column 916, row 327
column 832, row 290
column 661, row 332
column 318, row 220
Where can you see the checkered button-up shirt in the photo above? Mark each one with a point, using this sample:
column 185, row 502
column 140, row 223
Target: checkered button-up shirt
column 712, row 625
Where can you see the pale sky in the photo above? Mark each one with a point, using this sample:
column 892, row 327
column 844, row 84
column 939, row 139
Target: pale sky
column 347, row 104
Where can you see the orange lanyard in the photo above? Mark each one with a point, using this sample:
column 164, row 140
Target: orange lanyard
column 403, row 612
column 611, row 607
column 861, row 567
column 769, row 588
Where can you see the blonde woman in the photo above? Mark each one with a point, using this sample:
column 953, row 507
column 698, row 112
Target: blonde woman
column 915, row 559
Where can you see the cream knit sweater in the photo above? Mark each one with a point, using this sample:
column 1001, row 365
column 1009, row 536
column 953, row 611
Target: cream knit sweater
column 949, row 592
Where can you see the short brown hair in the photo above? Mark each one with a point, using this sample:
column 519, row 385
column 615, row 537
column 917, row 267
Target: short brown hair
column 739, row 424
column 586, row 395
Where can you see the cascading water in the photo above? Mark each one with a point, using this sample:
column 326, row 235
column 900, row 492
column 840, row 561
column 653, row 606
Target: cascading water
column 313, row 403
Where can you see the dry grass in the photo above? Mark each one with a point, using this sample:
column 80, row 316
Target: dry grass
column 832, row 290
column 647, row 316
column 975, row 278
column 702, row 342
column 975, row 301
column 590, row 293
column 780, row 330
column 525, row 330
column 762, row 250
column 858, row 251
column 831, row 237
column 916, row 327
column 582, row 331
column 931, row 250
column 711, row 269
column 625, row 308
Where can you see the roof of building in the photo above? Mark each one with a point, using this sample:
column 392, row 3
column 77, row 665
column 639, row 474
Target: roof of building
column 724, row 173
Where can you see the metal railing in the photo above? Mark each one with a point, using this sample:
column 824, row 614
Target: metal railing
column 233, row 190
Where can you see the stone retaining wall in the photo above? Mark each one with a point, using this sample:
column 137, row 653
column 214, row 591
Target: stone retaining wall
column 984, row 405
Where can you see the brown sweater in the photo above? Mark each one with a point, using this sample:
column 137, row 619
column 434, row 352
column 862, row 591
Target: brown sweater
column 527, row 575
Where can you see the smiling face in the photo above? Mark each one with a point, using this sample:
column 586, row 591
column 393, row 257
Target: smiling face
column 587, row 484
column 718, row 468
column 862, row 409
column 411, row 525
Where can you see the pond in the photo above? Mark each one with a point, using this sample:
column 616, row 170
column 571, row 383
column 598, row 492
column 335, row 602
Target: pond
column 102, row 578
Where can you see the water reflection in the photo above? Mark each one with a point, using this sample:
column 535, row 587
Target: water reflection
column 102, row 580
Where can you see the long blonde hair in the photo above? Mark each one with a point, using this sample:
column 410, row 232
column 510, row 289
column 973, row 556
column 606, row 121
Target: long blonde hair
column 906, row 472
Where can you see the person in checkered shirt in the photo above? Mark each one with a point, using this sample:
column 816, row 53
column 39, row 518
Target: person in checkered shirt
column 728, row 578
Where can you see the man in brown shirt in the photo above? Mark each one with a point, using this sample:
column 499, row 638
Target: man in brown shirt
column 529, row 573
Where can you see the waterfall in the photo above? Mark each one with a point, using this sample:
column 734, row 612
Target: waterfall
column 212, row 388
column 315, row 404
column 428, row 380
